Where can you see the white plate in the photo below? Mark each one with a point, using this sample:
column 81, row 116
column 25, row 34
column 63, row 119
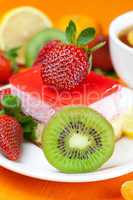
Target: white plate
column 34, row 164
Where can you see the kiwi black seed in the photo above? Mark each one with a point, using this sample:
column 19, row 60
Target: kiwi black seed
column 78, row 139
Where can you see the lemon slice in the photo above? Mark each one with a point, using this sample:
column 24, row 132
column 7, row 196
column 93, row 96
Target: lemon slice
column 128, row 124
column 19, row 25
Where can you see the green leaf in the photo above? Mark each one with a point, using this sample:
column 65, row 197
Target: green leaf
column 12, row 55
column 86, row 36
column 29, row 125
column 71, row 32
column 2, row 112
column 99, row 71
column 98, row 46
column 90, row 63
column 29, row 129
column 11, row 102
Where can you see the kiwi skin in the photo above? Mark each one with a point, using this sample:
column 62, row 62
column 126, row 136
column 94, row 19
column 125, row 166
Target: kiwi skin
column 51, row 136
column 39, row 40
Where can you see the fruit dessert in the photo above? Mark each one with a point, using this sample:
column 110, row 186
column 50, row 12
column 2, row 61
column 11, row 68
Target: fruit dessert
column 60, row 104
column 100, row 93
column 60, row 77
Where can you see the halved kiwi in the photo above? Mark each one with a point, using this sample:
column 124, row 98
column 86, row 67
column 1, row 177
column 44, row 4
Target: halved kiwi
column 36, row 43
column 78, row 139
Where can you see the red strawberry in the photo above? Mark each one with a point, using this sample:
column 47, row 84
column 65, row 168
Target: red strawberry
column 45, row 50
column 101, row 57
column 11, row 137
column 66, row 66
column 5, row 69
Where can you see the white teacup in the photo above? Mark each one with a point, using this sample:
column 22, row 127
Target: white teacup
column 122, row 54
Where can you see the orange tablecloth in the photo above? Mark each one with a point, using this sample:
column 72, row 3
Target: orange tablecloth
column 102, row 10
column 14, row 186
column 17, row 187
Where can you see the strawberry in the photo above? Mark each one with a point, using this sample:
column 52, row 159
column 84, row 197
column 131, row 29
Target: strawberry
column 8, row 64
column 11, row 137
column 101, row 57
column 5, row 69
column 65, row 66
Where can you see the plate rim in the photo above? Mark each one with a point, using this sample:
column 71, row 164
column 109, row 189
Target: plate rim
column 104, row 174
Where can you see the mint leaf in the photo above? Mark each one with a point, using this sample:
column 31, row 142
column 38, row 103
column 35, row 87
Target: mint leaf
column 71, row 32
column 86, row 36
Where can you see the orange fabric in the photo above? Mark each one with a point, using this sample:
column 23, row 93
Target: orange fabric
column 102, row 10
column 14, row 186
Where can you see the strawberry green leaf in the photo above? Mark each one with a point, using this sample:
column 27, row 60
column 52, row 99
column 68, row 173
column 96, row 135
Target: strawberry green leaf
column 71, row 32
column 90, row 63
column 86, row 36
column 98, row 46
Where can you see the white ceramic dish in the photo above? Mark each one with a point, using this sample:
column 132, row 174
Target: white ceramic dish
column 34, row 164
column 121, row 54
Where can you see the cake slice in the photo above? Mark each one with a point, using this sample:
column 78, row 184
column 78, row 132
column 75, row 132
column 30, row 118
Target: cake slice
column 41, row 101
column 101, row 93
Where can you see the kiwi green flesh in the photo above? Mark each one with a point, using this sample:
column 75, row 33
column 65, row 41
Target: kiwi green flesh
column 78, row 139
column 37, row 42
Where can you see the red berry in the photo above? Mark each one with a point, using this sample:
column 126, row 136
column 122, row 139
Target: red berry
column 45, row 50
column 5, row 69
column 101, row 57
column 63, row 66
column 11, row 137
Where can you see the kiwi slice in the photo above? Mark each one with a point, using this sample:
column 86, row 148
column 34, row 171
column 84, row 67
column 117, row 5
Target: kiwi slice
column 78, row 139
column 36, row 43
